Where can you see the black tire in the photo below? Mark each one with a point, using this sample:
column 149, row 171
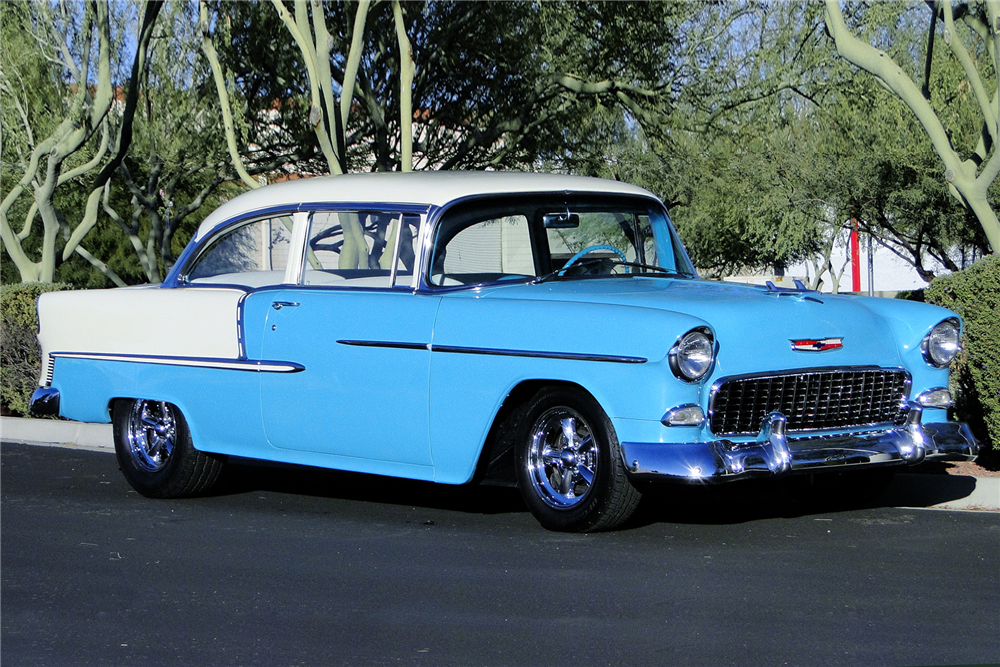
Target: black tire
column 155, row 452
column 569, row 465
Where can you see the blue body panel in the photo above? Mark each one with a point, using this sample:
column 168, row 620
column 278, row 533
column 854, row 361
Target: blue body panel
column 466, row 390
column 415, row 394
column 363, row 401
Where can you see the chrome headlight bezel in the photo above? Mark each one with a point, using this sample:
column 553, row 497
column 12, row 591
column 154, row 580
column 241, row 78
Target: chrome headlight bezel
column 942, row 343
column 693, row 355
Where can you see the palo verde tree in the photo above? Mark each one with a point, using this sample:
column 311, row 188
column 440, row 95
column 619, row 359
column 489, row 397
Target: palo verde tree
column 177, row 160
column 384, row 86
column 94, row 106
column 971, row 32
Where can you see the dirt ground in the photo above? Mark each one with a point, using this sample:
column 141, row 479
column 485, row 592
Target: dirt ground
column 986, row 465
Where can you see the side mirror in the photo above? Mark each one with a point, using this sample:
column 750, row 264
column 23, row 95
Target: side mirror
column 565, row 220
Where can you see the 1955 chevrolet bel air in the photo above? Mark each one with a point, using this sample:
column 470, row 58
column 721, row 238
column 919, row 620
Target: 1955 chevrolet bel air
column 545, row 330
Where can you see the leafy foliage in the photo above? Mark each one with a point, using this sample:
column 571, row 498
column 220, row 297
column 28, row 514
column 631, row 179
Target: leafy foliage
column 975, row 295
column 20, row 363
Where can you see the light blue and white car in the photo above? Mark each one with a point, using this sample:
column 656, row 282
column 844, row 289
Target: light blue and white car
column 545, row 330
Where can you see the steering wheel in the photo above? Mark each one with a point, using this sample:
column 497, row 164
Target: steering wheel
column 575, row 258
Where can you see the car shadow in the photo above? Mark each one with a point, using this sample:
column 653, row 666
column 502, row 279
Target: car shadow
column 714, row 504
column 926, row 490
column 754, row 500
column 243, row 476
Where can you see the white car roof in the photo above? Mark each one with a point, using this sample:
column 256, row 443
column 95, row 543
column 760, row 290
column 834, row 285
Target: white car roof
column 433, row 188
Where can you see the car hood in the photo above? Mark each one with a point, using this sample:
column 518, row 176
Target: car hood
column 754, row 327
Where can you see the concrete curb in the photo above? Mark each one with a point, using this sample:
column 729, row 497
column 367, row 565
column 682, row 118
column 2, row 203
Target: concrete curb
column 951, row 492
column 946, row 492
column 57, row 432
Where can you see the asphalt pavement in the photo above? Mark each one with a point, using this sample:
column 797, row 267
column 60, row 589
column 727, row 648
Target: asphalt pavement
column 284, row 566
column 948, row 492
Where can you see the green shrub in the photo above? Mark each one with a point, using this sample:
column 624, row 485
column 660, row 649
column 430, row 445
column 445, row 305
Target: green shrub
column 975, row 377
column 20, row 363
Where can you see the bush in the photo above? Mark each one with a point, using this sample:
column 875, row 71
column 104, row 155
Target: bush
column 975, row 377
column 20, row 362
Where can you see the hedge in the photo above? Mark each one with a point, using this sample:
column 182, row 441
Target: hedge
column 20, row 362
column 975, row 376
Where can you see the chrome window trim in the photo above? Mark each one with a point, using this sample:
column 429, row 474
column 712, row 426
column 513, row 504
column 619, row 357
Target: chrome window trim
column 294, row 268
column 187, row 261
column 436, row 213
column 178, row 273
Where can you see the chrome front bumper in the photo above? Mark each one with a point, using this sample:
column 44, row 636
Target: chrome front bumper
column 774, row 454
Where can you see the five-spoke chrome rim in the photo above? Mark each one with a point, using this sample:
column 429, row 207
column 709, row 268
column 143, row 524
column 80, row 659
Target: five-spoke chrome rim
column 562, row 458
column 152, row 434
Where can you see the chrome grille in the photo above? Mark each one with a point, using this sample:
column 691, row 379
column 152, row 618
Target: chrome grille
column 811, row 400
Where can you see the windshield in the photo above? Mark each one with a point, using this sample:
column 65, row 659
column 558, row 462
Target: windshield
column 555, row 238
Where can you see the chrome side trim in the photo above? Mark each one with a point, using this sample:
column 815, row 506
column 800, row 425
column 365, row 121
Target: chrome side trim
column 256, row 365
column 574, row 356
column 386, row 344
column 50, row 367
column 454, row 349
column 241, row 338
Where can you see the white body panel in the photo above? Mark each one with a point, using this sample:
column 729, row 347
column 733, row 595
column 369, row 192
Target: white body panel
column 142, row 321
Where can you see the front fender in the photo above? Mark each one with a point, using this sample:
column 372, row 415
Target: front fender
column 910, row 322
column 482, row 348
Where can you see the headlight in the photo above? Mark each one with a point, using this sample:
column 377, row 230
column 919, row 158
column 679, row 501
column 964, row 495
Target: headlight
column 940, row 346
column 693, row 355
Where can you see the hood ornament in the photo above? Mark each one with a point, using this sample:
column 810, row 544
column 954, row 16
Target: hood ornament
column 817, row 344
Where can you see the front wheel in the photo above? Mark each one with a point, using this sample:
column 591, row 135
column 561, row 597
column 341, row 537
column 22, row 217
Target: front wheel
column 155, row 452
column 569, row 464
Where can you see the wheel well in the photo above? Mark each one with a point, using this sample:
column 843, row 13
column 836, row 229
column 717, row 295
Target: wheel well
column 111, row 406
column 496, row 461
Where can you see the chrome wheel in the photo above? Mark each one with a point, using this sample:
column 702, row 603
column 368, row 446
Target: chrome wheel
column 152, row 434
column 562, row 458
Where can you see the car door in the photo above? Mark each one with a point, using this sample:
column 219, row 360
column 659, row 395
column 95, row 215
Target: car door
column 361, row 337
column 363, row 391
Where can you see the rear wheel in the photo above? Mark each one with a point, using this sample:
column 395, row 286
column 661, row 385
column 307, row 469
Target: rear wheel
column 569, row 464
column 155, row 452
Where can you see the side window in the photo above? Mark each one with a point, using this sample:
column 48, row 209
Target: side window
column 486, row 251
column 356, row 248
column 254, row 254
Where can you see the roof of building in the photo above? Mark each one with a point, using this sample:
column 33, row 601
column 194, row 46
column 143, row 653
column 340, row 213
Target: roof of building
column 432, row 188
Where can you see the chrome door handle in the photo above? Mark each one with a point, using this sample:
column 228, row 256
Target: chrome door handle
column 278, row 305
